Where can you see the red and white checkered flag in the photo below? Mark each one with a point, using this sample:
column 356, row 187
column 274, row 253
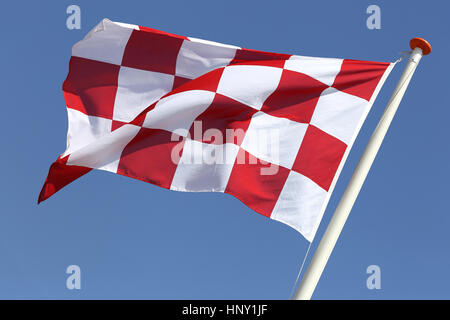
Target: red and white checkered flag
column 186, row 114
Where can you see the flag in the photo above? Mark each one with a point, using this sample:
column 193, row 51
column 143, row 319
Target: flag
column 186, row 114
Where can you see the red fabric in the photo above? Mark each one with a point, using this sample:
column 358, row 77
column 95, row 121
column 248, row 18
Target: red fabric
column 223, row 113
column 295, row 98
column 360, row 78
column 261, row 191
column 90, row 87
column 152, row 51
column 148, row 157
column 60, row 175
column 319, row 156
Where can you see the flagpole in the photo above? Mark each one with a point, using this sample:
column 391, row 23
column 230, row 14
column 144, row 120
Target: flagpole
column 312, row 275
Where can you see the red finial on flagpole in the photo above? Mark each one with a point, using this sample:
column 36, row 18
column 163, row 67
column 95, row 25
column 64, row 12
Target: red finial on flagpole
column 420, row 43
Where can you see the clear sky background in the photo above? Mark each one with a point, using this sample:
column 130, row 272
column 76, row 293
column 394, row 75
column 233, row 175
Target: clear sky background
column 133, row 240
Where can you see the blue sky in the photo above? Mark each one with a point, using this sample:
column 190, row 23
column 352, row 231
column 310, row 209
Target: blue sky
column 133, row 240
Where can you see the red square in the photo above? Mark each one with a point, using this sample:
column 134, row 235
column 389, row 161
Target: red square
column 319, row 156
column 360, row 78
column 152, row 156
column 257, row 191
column 60, row 175
column 91, row 86
column 152, row 51
column 209, row 82
column 226, row 115
column 255, row 56
column 151, row 30
column 116, row 124
column 295, row 97
column 179, row 81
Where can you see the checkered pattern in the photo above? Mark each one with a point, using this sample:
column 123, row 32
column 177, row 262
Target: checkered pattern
column 135, row 95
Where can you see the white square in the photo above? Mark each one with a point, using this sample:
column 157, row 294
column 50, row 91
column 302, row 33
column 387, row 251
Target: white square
column 204, row 167
column 127, row 25
column 300, row 205
column 197, row 58
column 105, row 152
column 273, row 139
column 339, row 113
column 138, row 89
column 251, row 85
column 177, row 112
column 83, row 129
column 323, row 69
column 213, row 43
column 106, row 42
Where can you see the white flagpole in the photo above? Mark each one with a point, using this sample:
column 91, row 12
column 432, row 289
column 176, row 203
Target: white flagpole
column 312, row 275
